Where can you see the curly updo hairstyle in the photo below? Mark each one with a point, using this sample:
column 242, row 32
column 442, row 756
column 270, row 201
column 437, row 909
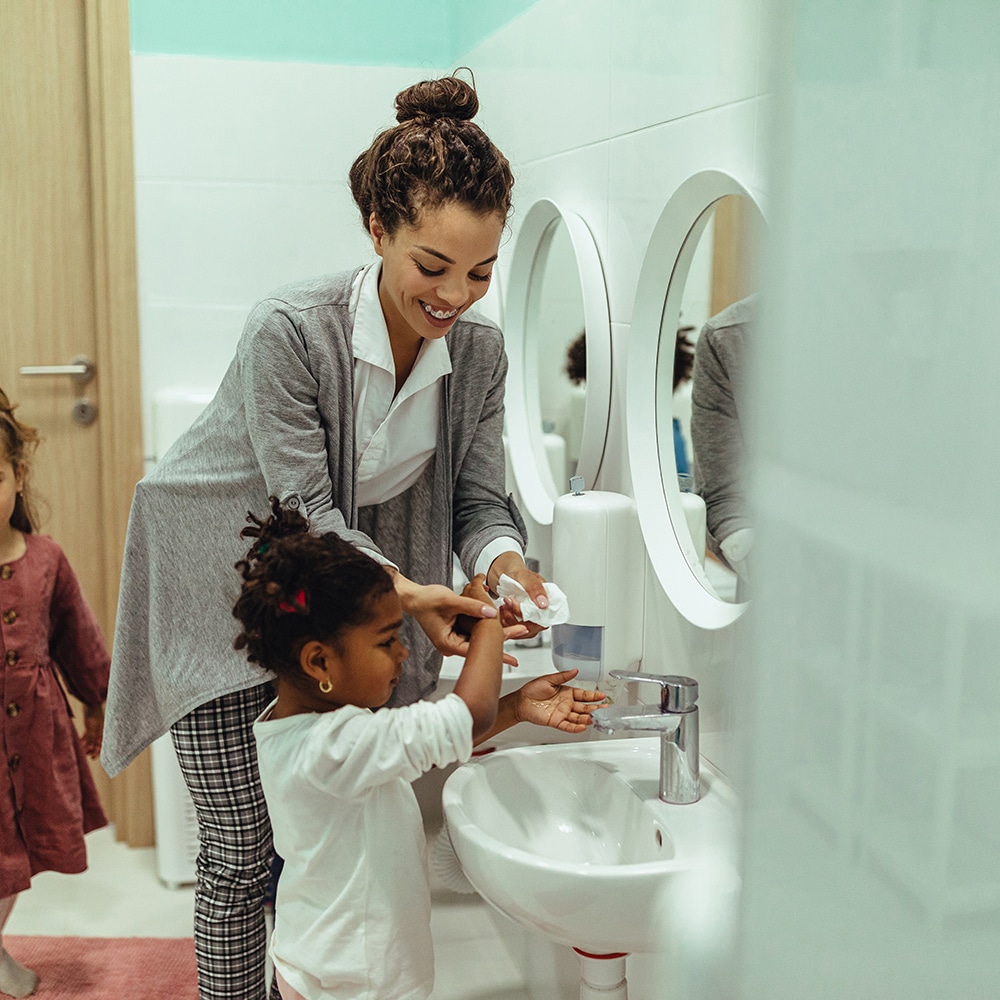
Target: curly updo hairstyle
column 18, row 442
column 435, row 155
column 299, row 587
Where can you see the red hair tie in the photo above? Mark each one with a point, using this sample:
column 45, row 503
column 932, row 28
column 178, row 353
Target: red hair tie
column 299, row 606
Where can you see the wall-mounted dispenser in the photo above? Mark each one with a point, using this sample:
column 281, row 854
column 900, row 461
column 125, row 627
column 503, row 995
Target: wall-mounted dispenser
column 598, row 560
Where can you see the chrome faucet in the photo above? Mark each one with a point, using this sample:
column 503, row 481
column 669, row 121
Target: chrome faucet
column 675, row 719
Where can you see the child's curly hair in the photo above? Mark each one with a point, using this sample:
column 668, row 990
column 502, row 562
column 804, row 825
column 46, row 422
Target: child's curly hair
column 299, row 587
column 18, row 442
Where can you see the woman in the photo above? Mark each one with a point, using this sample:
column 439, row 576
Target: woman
column 375, row 400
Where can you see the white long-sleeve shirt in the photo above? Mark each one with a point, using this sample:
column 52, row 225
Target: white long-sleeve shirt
column 352, row 914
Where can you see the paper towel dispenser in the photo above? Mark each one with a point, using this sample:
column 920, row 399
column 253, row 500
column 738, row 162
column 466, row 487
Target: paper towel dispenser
column 598, row 560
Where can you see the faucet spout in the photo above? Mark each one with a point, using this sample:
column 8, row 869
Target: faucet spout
column 617, row 718
column 676, row 720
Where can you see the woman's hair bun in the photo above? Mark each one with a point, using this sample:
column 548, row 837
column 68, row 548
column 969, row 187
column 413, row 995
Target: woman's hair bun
column 448, row 97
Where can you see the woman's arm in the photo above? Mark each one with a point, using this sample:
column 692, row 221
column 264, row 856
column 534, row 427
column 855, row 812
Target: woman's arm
column 440, row 612
column 295, row 377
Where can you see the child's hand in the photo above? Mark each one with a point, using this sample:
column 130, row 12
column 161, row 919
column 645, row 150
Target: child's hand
column 546, row 702
column 93, row 730
column 476, row 590
column 513, row 626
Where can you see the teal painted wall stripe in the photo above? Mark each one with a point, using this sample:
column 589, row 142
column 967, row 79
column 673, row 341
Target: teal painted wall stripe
column 343, row 32
column 472, row 21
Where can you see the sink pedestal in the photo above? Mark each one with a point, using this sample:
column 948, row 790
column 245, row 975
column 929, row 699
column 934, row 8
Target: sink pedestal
column 602, row 977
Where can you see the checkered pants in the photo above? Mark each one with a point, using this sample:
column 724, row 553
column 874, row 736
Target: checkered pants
column 218, row 758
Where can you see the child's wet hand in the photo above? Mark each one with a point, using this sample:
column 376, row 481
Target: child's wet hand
column 547, row 701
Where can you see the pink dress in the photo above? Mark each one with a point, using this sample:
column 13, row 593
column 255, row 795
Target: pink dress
column 48, row 800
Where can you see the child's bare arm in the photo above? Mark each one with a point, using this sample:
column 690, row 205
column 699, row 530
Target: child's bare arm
column 547, row 701
column 478, row 684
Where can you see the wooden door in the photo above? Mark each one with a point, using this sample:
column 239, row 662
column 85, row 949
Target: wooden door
column 67, row 274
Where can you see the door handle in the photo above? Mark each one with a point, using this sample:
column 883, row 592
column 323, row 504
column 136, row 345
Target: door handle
column 81, row 370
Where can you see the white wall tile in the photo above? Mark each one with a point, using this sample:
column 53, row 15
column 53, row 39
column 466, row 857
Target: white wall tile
column 234, row 243
column 185, row 346
column 544, row 80
column 647, row 167
column 230, row 120
column 577, row 181
column 672, row 58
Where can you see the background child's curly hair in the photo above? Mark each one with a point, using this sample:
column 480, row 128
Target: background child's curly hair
column 298, row 586
column 18, row 442
column 576, row 360
column 683, row 356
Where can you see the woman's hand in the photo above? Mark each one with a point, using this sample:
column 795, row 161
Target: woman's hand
column 93, row 730
column 446, row 617
column 545, row 701
column 512, row 565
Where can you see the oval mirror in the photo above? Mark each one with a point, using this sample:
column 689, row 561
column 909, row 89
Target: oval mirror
column 559, row 348
column 696, row 294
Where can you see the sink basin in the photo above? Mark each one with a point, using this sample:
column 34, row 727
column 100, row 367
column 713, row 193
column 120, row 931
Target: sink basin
column 572, row 841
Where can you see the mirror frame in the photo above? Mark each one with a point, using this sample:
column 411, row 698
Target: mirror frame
column 531, row 471
column 657, row 306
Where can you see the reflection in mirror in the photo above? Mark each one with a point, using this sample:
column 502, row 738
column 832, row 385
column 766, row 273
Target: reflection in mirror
column 554, row 322
column 700, row 391
column 559, row 350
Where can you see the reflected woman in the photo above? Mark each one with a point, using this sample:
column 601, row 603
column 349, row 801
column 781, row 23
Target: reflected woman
column 718, row 430
column 374, row 400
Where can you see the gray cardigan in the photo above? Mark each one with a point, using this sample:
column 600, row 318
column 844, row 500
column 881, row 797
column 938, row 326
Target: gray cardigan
column 719, row 383
column 282, row 423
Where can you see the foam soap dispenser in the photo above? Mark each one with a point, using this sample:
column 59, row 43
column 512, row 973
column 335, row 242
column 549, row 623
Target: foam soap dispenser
column 598, row 560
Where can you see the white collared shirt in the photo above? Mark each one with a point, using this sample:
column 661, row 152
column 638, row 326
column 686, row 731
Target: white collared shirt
column 395, row 434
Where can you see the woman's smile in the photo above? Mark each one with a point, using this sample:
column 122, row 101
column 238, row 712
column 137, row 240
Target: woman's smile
column 442, row 315
column 434, row 271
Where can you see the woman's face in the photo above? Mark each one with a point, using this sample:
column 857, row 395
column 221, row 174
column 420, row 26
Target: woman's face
column 434, row 271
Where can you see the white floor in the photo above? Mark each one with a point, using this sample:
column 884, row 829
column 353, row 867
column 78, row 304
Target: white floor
column 120, row 895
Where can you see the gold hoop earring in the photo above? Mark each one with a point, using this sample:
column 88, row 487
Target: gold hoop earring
column 326, row 685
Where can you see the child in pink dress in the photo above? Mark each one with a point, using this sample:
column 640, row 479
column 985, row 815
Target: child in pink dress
column 48, row 799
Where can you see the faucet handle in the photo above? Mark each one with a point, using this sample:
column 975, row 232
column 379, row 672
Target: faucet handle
column 678, row 693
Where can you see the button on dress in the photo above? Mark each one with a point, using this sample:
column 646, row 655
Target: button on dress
column 49, row 800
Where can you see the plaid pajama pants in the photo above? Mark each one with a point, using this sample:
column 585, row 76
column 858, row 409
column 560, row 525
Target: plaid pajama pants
column 218, row 758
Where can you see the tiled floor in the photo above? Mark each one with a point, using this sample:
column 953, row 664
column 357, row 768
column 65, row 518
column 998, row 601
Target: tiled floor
column 121, row 896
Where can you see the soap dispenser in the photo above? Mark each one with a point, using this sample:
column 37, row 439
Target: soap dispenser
column 598, row 560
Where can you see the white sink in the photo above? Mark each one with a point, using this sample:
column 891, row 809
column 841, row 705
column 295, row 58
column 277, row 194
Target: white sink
column 573, row 842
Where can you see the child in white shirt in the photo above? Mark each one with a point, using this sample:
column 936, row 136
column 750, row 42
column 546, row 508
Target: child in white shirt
column 352, row 916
